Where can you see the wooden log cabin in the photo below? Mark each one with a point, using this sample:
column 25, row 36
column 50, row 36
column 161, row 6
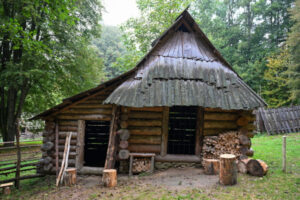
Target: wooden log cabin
column 181, row 91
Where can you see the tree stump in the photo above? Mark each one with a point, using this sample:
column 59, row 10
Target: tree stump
column 109, row 177
column 70, row 178
column 257, row 167
column 228, row 169
column 6, row 188
column 211, row 166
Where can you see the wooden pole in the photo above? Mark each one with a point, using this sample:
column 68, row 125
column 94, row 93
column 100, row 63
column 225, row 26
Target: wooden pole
column 284, row 154
column 17, row 182
column 56, row 149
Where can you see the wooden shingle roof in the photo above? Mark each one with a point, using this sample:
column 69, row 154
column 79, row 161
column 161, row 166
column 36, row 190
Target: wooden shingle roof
column 184, row 69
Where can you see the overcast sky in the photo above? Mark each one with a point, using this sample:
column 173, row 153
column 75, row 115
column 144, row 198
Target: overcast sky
column 118, row 11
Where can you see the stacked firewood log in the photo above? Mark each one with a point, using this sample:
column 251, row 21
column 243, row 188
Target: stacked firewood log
column 45, row 163
column 232, row 142
column 141, row 165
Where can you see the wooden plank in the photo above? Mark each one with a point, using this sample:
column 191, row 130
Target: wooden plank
column 143, row 148
column 112, row 146
column 56, row 148
column 165, row 130
column 80, row 145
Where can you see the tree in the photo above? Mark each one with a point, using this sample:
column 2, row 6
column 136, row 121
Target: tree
column 277, row 91
column 41, row 44
column 294, row 47
column 110, row 48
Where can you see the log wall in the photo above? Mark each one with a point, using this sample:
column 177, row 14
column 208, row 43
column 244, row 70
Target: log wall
column 145, row 125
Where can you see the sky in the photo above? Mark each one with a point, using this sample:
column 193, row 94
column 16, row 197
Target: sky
column 118, row 11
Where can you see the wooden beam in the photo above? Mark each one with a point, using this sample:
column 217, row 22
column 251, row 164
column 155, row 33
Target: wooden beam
column 112, row 146
column 80, row 145
column 165, row 129
column 56, row 148
column 199, row 131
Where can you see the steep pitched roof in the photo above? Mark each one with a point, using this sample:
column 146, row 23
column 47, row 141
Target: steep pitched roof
column 184, row 68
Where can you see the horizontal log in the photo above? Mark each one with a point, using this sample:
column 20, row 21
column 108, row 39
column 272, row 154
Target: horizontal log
column 94, row 100
column 62, row 141
column 71, row 162
column 91, row 171
column 219, row 110
column 144, row 139
column 242, row 121
column 124, row 117
column 220, row 116
column 75, row 110
column 178, row 158
column 139, row 148
column 62, row 148
column 144, row 122
column 220, row 124
column 145, row 115
column 22, row 178
column 212, row 132
column 145, row 130
column 123, row 124
column 251, row 127
column 67, row 128
column 90, row 105
column 63, row 134
column 154, row 109
column 85, row 117
column 68, row 123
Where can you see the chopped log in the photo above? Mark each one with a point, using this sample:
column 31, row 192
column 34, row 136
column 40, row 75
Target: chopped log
column 211, row 166
column 124, row 134
column 6, row 188
column 250, row 152
column 47, row 146
column 123, row 144
column 70, row 178
column 244, row 140
column 242, row 121
column 109, row 177
column 257, row 167
column 228, row 169
column 124, row 124
column 242, row 165
column 123, row 154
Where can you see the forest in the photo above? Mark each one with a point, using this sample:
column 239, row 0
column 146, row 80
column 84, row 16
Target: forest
column 51, row 50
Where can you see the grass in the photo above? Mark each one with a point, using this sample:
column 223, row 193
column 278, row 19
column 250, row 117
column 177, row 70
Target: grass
column 275, row 185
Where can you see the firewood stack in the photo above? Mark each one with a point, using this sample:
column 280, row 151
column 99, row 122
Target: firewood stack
column 225, row 143
column 141, row 165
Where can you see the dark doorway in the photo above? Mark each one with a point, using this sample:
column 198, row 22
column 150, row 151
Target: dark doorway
column 182, row 130
column 96, row 142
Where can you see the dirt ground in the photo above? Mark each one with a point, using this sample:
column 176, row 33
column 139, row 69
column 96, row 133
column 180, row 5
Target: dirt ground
column 173, row 180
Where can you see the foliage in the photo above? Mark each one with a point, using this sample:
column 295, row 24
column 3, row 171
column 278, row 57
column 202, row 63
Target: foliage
column 276, row 76
column 110, row 47
column 44, row 48
column 294, row 47
column 246, row 32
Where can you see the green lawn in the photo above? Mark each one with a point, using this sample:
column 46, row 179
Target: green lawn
column 275, row 185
